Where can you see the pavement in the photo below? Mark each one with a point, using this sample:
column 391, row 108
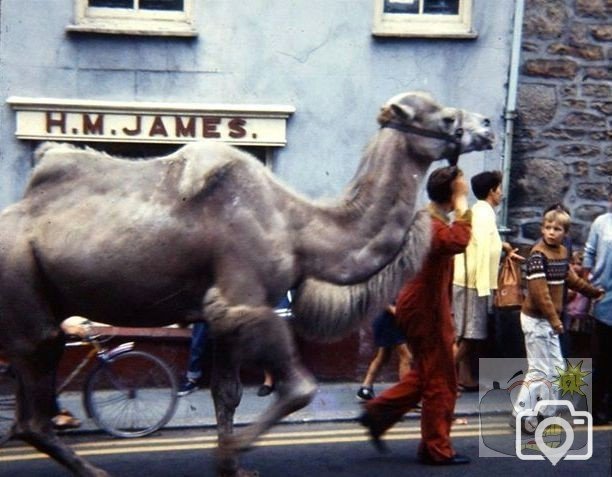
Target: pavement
column 334, row 402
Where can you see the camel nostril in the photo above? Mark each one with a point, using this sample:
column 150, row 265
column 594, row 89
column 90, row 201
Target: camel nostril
column 486, row 122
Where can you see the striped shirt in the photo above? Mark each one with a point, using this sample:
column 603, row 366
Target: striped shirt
column 547, row 273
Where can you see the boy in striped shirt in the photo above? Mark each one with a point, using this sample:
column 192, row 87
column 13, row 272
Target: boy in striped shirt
column 547, row 273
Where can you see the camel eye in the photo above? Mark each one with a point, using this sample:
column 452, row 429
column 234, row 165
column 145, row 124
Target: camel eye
column 449, row 121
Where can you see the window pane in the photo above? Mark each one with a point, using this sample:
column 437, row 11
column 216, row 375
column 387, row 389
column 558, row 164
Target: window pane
column 441, row 7
column 112, row 3
column 162, row 5
column 401, row 6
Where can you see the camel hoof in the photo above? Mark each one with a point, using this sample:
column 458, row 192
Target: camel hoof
column 92, row 471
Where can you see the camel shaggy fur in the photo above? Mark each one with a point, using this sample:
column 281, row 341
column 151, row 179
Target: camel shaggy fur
column 208, row 233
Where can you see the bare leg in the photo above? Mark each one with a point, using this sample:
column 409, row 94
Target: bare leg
column 463, row 358
column 382, row 357
column 268, row 380
column 405, row 359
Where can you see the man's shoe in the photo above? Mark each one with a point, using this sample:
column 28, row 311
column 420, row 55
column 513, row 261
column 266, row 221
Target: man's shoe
column 187, row 387
column 265, row 390
column 457, row 459
column 366, row 421
column 366, row 393
column 468, row 389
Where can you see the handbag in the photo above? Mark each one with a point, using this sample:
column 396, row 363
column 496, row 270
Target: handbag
column 509, row 288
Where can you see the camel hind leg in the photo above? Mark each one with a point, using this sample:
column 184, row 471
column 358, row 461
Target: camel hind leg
column 257, row 334
column 36, row 405
column 34, row 343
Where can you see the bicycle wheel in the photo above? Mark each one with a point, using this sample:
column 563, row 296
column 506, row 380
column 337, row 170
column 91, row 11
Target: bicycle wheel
column 131, row 394
column 7, row 403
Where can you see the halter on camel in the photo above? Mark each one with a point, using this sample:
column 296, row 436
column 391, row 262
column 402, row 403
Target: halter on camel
column 450, row 138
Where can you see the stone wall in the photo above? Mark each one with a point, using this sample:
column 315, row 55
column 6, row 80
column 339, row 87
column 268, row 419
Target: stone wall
column 562, row 150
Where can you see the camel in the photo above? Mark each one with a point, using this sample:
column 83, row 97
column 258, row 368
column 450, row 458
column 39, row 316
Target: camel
column 209, row 233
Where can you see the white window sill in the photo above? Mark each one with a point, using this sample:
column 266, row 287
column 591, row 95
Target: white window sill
column 144, row 28
column 402, row 31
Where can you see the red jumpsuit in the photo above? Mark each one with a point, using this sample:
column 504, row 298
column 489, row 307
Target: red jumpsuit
column 423, row 310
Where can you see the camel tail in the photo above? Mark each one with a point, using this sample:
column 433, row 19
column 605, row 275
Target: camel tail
column 328, row 312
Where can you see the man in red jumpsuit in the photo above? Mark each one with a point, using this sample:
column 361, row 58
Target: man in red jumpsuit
column 423, row 311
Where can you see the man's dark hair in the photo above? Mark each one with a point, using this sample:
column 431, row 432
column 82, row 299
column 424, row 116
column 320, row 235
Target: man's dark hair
column 557, row 206
column 439, row 184
column 485, row 182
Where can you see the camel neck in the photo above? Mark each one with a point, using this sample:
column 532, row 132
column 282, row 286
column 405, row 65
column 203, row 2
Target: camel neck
column 371, row 219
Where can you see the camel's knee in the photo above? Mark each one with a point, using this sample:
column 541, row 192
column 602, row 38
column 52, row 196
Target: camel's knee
column 227, row 394
column 225, row 318
column 214, row 307
column 246, row 325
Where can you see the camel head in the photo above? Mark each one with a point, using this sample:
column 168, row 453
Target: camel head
column 444, row 131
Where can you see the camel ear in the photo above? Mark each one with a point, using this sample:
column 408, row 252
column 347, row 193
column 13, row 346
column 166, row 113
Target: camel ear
column 406, row 113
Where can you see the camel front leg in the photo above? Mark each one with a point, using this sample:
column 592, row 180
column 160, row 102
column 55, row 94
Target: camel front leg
column 295, row 389
column 258, row 335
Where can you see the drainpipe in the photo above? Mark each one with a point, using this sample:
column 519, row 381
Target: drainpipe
column 510, row 110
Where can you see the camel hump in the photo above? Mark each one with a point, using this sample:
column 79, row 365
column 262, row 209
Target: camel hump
column 203, row 166
column 56, row 162
column 45, row 147
column 52, row 151
column 207, row 165
column 49, row 164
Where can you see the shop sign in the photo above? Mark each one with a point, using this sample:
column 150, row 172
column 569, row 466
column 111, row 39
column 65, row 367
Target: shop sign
column 74, row 120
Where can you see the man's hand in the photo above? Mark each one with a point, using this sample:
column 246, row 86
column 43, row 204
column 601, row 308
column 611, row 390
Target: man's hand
column 512, row 252
column 460, row 194
column 558, row 329
column 602, row 293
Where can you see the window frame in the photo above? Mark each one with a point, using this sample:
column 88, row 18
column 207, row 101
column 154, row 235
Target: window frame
column 423, row 25
column 114, row 20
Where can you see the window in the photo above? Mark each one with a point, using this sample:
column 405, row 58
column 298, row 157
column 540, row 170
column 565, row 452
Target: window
column 423, row 18
column 137, row 17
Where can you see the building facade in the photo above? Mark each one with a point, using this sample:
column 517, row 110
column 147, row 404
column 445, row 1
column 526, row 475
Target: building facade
column 317, row 63
column 298, row 83
column 562, row 150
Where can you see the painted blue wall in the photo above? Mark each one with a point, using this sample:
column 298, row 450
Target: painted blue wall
column 317, row 55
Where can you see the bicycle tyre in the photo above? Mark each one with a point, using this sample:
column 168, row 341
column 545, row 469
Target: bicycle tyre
column 8, row 387
column 132, row 394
